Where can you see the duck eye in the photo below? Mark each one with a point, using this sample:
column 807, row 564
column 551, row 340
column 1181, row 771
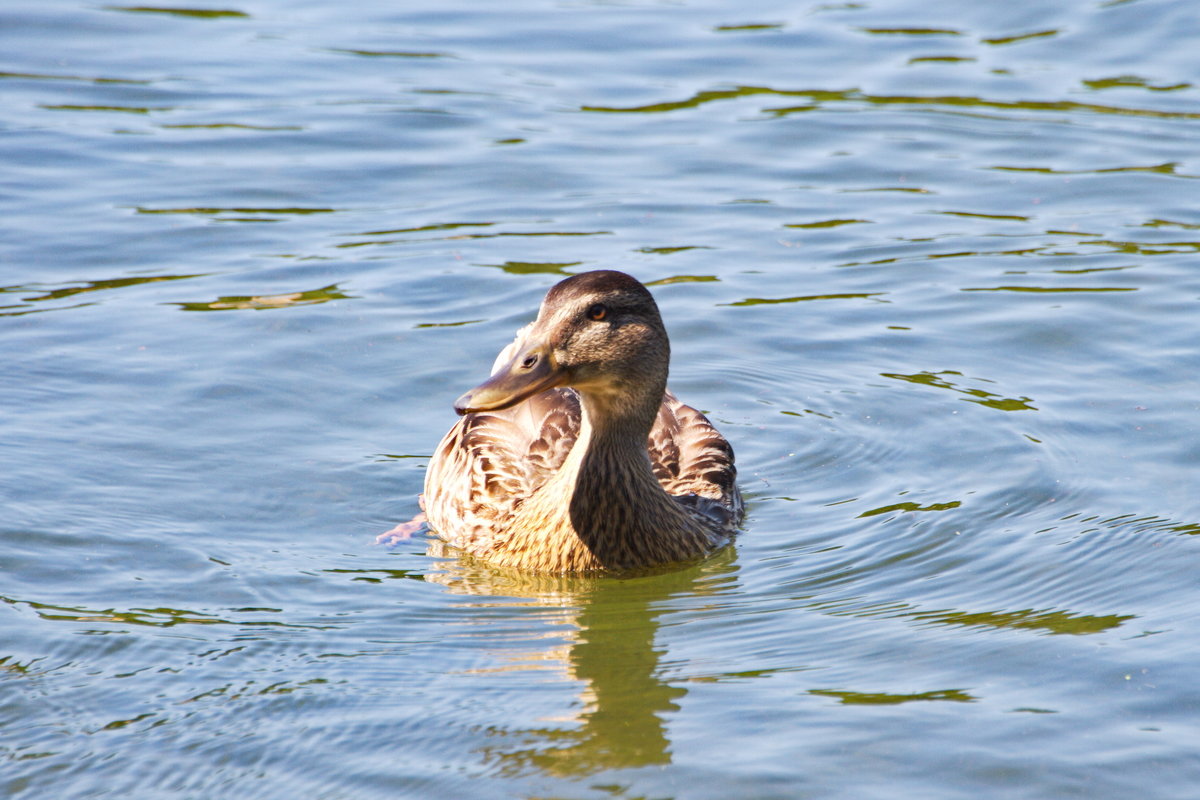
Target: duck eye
column 529, row 361
column 597, row 312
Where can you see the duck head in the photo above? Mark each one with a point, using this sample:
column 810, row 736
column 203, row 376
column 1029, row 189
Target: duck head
column 599, row 332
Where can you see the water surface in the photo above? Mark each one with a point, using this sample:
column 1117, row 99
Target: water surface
column 931, row 268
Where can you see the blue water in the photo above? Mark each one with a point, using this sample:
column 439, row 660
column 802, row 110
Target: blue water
column 930, row 267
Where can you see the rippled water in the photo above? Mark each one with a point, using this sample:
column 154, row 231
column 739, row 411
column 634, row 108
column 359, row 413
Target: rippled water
column 931, row 267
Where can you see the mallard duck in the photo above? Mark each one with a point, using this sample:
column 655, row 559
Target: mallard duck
column 573, row 456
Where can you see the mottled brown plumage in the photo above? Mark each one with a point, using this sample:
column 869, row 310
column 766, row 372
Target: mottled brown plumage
column 573, row 456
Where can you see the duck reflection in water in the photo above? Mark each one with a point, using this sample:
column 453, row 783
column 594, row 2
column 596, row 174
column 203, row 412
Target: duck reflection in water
column 625, row 701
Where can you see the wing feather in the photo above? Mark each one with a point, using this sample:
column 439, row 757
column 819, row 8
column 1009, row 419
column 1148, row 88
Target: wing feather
column 491, row 461
column 692, row 460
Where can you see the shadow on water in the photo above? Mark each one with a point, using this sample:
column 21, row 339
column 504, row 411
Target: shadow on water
column 624, row 699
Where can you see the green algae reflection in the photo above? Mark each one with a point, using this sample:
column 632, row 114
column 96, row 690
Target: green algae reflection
column 905, row 507
column 828, row 223
column 911, row 31
column 667, row 251
column 535, row 267
column 261, row 302
column 239, row 213
column 1054, row 622
column 763, row 301
column 389, row 53
column 749, row 27
column 116, row 109
column 1041, row 620
column 819, row 97
column 683, row 279
column 940, row 59
column 42, row 76
column 887, row 699
column 980, row 396
column 1020, row 37
column 194, row 13
column 1133, row 81
column 41, row 294
column 153, row 617
column 451, row 226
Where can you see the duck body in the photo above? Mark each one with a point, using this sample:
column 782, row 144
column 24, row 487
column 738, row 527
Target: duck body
column 573, row 456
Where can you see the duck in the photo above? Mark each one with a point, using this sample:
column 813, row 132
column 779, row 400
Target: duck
column 573, row 456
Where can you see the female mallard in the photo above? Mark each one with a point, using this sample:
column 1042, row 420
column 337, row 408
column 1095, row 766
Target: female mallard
column 573, row 455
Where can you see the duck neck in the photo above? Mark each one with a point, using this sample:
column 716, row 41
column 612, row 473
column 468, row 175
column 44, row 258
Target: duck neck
column 618, row 508
column 617, row 426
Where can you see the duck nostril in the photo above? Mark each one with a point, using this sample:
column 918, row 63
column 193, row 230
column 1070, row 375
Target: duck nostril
column 529, row 361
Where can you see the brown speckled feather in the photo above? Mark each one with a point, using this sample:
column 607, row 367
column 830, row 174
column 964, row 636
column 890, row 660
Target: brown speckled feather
column 694, row 462
column 489, row 463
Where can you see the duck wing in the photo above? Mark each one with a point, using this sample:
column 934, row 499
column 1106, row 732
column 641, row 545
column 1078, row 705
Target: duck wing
column 694, row 462
column 490, row 462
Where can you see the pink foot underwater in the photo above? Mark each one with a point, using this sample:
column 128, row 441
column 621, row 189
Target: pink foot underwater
column 401, row 532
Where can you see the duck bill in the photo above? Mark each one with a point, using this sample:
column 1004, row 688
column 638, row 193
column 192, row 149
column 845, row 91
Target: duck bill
column 530, row 372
